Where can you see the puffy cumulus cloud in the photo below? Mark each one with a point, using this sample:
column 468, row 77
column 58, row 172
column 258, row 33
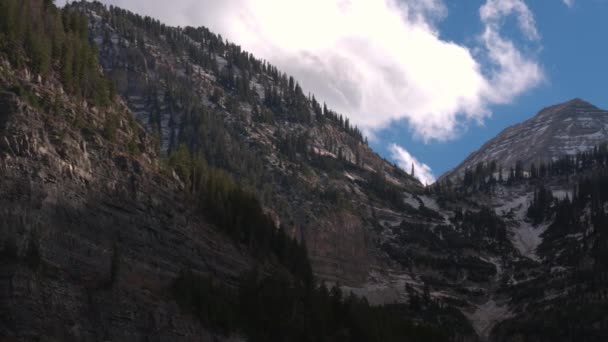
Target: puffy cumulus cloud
column 376, row 61
column 405, row 160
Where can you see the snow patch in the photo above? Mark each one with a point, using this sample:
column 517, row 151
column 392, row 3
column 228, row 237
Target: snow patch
column 486, row 316
column 524, row 236
column 430, row 203
column 411, row 200
column 527, row 238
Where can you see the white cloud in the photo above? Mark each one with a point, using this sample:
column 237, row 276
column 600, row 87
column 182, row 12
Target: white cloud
column 569, row 3
column 513, row 72
column 405, row 160
column 376, row 61
column 493, row 11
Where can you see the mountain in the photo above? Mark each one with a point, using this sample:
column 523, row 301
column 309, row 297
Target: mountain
column 367, row 225
column 188, row 213
column 565, row 129
column 554, row 205
column 159, row 183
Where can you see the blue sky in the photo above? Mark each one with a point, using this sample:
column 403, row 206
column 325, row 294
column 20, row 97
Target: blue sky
column 428, row 80
column 574, row 57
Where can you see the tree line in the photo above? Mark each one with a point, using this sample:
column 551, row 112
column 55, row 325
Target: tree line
column 275, row 308
column 282, row 94
column 485, row 175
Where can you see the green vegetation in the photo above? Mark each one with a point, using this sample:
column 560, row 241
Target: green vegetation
column 35, row 34
column 27, row 95
column 277, row 308
column 111, row 126
column 571, row 216
column 283, row 97
column 579, row 315
column 292, row 145
column 238, row 213
column 486, row 175
column 213, row 303
column 282, row 305
column 541, row 204
column 387, row 191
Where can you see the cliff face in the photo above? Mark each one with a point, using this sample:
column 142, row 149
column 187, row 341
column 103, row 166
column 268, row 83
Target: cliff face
column 93, row 233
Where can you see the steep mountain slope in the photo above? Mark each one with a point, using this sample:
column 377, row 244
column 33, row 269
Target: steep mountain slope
column 366, row 224
column 310, row 167
column 563, row 229
column 564, row 129
column 553, row 288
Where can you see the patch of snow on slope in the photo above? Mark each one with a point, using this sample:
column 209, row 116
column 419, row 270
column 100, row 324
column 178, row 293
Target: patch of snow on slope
column 524, row 236
column 527, row 238
column 385, row 288
column 411, row 200
column 430, row 203
column 486, row 316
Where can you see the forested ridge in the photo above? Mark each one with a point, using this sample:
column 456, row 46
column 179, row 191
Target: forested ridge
column 246, row 94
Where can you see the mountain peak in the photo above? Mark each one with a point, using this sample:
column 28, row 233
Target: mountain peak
column 574, row 106
column 567, row 128
column 577, row 101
